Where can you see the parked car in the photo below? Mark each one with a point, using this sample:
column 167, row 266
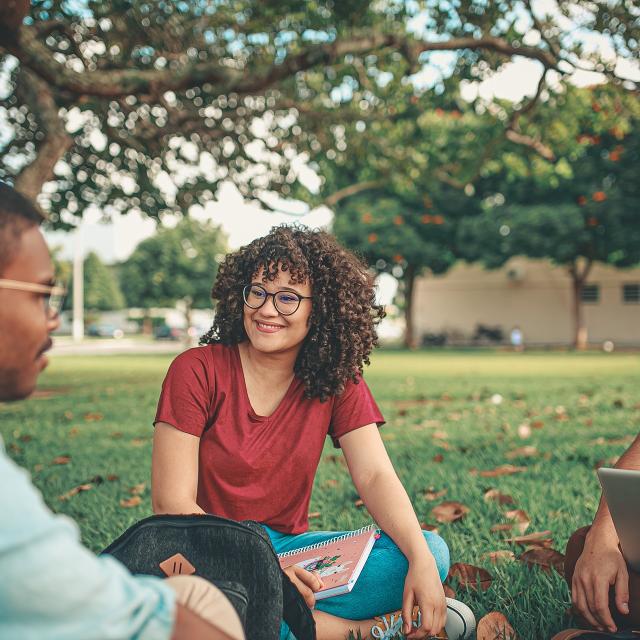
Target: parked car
column 165, row 332
column 104, row 331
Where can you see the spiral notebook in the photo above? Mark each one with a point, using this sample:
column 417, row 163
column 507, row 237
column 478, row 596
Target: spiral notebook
column 338, row 561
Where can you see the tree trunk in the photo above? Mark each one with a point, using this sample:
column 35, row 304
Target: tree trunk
column 147, row 323
column 55, row 143
column 188, row 306
column 578, row 279
column 410, row 339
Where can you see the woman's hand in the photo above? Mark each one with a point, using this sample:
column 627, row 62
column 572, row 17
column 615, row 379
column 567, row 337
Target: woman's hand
column 600, row 566
column 422, row 587
column 306, row 583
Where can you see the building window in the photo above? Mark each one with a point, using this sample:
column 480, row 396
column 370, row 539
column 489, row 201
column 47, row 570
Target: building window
column 631, row 293
column 591, row 293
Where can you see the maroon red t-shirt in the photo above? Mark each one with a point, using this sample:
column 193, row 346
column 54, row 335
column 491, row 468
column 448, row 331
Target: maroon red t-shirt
column 250, row 466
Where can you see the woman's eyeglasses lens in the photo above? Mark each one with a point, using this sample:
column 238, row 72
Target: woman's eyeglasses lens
column 286, row 302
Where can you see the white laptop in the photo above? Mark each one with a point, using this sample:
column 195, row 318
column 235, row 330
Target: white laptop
column 622, row 490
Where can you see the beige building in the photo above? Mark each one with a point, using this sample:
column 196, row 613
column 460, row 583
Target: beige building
column 533, row 295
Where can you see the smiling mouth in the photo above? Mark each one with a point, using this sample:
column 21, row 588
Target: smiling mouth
column 267, row 327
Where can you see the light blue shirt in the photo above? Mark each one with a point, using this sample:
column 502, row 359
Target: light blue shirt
column 53, row 588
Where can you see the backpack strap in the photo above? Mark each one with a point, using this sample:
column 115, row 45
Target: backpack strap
column 295, row 611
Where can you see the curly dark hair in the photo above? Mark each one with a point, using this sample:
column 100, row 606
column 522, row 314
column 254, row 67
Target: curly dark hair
column 342, row 324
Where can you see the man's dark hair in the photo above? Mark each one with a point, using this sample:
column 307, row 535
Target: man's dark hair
column 17, row 214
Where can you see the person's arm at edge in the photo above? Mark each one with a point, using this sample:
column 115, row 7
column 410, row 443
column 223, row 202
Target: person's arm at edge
column 602, row 525
column 174, row 471
column 592, row 576
column 386, row 499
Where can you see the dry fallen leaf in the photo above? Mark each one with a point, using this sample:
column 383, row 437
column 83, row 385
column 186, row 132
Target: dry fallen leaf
column 469, row 576
column 61, row 460
column 138, row 489
column 438, row 457
column 93, row 417
column 498, row 556
column 449, row 511
column 537, row 539
column 314, row 514
column 332, row 482
column 528, row 451
column 72, row 492
column 112, row 477
column 131, row 502
column 497, row 528
column 448, row 591
column 359, row 503
column 431, row 494
column 502, row 470
column 521, row 518
column 545, row 558
column 537, row 424
column 495, row 626
column 495, row 495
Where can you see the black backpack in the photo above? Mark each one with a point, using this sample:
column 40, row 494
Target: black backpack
column 236, row 556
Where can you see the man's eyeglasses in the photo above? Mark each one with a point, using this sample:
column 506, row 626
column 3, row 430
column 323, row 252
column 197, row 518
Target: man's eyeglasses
column 52, row 294
column 285, row 302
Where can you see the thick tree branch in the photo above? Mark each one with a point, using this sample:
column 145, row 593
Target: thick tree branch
column 490, row 43
column 34, row 92
column 351, row 190
column 537, row 145
column 35, row 55
column 514, row 134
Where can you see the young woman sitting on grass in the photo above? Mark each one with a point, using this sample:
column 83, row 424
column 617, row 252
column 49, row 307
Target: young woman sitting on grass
column 242, row 420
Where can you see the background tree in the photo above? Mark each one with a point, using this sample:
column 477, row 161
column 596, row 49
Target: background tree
column 178, row 264
column 149, row 104
column 398, row 186
column 101, row 288
column 577, row 211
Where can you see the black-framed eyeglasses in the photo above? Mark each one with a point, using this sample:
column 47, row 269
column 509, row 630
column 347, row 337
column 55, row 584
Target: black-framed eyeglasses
column 52, row 294
column 285, row 302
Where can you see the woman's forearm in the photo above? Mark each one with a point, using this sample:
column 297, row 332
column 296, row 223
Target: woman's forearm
column 389, row 504
column 175, row 505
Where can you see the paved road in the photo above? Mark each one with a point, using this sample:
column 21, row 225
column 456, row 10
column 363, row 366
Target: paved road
column 106, row 346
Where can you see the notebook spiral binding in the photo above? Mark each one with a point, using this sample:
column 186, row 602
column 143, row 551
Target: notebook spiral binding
column 317, row 545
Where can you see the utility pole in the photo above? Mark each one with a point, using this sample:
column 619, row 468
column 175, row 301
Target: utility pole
column 78, row 287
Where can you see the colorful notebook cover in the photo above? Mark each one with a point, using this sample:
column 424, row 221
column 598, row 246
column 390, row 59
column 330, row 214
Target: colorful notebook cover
column 338, row 561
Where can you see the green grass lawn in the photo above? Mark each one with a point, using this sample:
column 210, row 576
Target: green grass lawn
column 583, row 409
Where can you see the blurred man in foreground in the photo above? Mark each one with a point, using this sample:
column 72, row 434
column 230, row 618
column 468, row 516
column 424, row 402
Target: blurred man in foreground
column 52, row 587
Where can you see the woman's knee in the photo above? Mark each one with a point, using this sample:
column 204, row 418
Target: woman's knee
column 440, row 552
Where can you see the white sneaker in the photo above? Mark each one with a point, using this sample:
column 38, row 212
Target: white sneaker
column 460, row 624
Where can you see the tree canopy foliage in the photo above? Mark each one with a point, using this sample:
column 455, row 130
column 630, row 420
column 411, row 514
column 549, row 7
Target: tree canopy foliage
column 149, row 104
column 577, row 211
column 177, row 264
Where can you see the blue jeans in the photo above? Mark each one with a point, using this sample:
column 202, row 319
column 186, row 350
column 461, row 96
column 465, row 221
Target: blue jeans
column 380, row 586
